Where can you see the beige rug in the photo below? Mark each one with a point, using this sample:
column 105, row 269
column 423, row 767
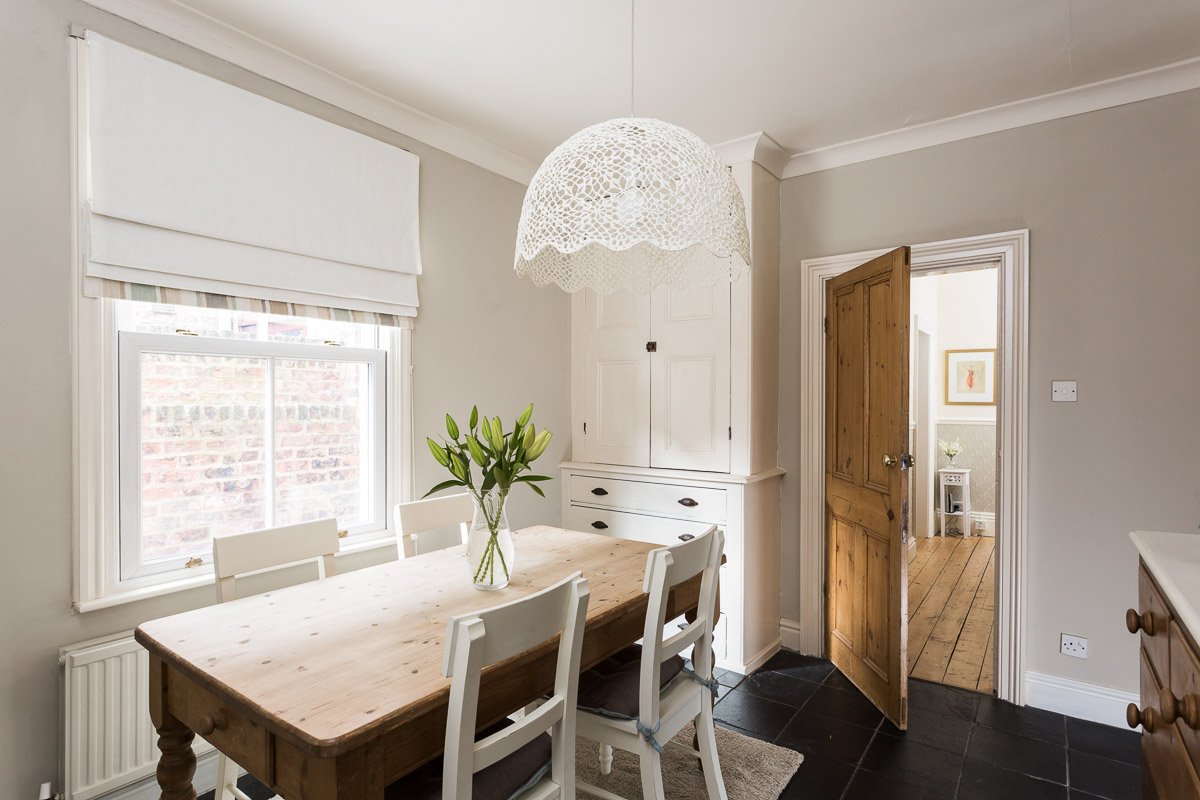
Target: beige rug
column 753, row 770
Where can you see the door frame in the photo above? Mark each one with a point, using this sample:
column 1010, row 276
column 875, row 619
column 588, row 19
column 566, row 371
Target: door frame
column 1009, row 253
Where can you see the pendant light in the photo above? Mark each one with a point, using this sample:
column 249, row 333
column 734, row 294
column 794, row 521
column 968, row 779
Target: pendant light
column 632, row 203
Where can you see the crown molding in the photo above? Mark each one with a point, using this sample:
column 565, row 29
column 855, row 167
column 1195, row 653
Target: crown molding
column 757, row 147
column 219, row 39
column 1181, row 76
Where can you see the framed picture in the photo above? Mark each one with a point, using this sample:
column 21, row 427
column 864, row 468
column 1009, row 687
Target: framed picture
column 971, row 377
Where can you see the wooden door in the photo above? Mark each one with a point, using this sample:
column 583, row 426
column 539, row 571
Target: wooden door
column 689, row 378
column 617, row 379
column 866, row 486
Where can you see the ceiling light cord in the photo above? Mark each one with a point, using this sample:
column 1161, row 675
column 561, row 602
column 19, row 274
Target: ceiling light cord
column 632, row 29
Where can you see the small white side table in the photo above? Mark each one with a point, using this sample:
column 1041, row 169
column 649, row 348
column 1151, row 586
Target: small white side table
column 954, row 485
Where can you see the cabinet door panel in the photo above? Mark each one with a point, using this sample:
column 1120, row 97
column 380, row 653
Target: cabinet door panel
column 617, row 381
column 689, row 383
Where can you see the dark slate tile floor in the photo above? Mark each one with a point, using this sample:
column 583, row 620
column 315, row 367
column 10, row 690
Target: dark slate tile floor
column 959, row 745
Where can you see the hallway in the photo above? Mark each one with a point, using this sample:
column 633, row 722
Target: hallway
column 951, row 611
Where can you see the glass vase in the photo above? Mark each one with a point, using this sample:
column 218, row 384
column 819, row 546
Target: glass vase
column 491, row 555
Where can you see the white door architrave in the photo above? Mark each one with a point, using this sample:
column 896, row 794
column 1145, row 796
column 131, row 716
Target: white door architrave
column 1009, row 253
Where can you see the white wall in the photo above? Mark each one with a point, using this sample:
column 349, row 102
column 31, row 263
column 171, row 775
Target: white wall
column 482, row 336
column 966, row 320
column 1110, row 201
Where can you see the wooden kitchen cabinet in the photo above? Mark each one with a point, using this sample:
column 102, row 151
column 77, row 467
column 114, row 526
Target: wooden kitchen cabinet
column 1166, row 624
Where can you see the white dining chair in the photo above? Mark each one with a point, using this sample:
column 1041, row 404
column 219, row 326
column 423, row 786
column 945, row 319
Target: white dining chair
column 532, row 758
column 424, row 516
column 641, row 698
column 257, row 551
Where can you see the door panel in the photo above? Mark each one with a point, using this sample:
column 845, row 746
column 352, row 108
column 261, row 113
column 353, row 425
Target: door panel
column 617, row 380
column 689, row 395
column 866, row 487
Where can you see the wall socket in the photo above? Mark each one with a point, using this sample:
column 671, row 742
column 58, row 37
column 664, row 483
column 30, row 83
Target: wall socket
column 1073, row 646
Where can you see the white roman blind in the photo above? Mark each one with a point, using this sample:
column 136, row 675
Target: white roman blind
column 200, row 188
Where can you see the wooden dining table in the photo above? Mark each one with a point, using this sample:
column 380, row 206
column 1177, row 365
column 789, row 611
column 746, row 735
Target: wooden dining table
column 334, row 688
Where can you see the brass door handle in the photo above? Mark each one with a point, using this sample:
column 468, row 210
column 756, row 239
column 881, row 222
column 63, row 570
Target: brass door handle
column 889, row 460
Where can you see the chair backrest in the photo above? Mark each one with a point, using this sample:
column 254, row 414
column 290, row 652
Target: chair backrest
column 421, row 516
column 475, row 640
column 270, row 548
column 666, row 568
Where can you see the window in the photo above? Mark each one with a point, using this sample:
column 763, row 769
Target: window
column 230, row 421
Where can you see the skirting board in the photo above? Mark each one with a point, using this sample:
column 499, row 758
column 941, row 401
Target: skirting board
column 789, row 635
column 147, row 788
column 1078, row 699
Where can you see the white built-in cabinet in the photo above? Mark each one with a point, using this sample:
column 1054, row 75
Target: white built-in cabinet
column 657, row 378
column 674, row 419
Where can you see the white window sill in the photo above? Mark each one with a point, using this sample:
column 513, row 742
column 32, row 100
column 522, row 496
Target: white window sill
column 122, row 597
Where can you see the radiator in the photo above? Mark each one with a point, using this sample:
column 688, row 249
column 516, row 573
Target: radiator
column 109, row 742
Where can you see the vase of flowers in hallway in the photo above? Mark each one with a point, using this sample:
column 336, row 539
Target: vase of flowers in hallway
column 489, row 463
column 950, row 450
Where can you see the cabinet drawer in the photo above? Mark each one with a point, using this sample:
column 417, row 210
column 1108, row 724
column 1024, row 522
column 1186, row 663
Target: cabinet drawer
column 683, row 502
column 1165, row 760
column 1157, row 642
column 638, row 527
column 952, row 480
column 1185, row 684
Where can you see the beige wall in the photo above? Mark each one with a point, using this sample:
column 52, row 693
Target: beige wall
column 482, row 336
column 1111, row 203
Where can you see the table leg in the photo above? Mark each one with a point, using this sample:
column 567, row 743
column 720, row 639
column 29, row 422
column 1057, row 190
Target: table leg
column 177, row 764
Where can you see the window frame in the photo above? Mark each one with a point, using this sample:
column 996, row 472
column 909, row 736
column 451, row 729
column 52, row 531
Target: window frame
column 132, row 345
column 96, row 422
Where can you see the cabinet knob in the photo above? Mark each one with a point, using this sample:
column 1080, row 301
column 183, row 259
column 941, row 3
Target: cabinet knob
column 1140, row 622
column 211, row 722
column 1173, row 708
column 686, row 537
column 689, row 502
column 599, row 491
column 598, row 525
column 1135, row 716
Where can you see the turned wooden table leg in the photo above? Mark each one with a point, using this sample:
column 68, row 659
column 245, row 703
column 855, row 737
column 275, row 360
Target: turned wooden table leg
column 177, row 764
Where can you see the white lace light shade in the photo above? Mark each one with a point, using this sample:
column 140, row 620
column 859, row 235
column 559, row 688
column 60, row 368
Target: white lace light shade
column 632, row 203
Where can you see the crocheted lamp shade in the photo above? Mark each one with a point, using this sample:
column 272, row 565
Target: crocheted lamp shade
column 632, row 203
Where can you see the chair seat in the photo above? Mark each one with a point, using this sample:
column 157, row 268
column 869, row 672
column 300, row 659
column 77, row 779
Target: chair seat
column 503, row 780
column 611, row 687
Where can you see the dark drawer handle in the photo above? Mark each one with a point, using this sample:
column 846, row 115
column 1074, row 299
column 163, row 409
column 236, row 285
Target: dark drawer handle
column 598, row 525
column 686, row 537
column 689, row 502
column 599, row 492
column 211, row 722
column 1135, row 716
column 1143, row 622
column 1173, row 708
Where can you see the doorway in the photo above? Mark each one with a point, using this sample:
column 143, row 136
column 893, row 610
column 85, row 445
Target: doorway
column 951, row 568
column 1008, row 253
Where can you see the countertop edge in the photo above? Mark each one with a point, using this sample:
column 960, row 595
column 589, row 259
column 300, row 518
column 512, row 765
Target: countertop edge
column 1165, row 572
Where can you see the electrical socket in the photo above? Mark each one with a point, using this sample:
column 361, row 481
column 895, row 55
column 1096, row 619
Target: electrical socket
column 1073, row 646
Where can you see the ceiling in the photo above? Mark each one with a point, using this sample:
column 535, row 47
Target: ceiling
column 524, row 74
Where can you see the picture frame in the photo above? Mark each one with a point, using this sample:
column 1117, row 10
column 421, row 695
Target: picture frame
column 970, row 377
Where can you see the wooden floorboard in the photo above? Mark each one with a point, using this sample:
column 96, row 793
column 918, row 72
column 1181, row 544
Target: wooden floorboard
column 943, row 577
column 952, row 610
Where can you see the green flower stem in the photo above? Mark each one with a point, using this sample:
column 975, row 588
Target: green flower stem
column 487, row 562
